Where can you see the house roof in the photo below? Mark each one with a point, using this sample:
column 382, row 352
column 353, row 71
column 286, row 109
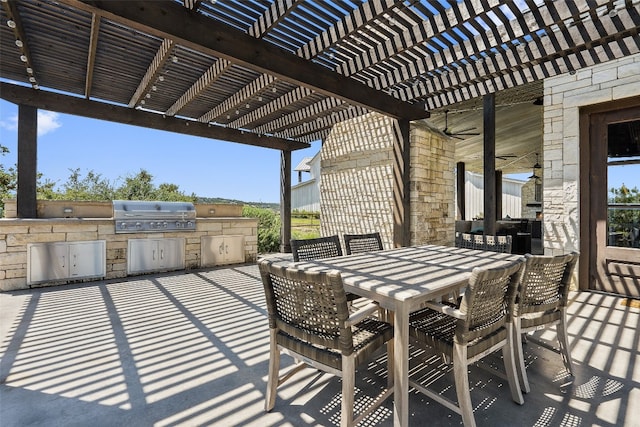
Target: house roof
column 281, row 73
column 304, row 165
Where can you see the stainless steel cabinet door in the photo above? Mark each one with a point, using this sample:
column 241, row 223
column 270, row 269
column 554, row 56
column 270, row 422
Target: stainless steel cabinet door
column 47, row 262
column 87, row 259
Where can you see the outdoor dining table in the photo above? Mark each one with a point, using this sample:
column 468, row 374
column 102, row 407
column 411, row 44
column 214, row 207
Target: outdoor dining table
column 401, row 280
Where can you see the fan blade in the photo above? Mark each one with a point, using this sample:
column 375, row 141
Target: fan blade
column 466, row 130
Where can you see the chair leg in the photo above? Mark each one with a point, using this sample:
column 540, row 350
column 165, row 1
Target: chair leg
column 519, row 356
column 508, row 354
column 274, row 372
column 461, row 376
column 390, row 356
column 348, row 390
column 563, row 340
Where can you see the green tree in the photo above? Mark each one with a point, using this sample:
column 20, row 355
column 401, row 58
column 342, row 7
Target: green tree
column 621, row 219
column 141, row 187
column 8, row 180
column 268, row 228
column 90, row 187
column 45, row 188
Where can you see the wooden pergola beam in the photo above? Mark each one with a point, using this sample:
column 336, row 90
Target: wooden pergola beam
column 168, row 19
column 96, row 110
column 91, row 57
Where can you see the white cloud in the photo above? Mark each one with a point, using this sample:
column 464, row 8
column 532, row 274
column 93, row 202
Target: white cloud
column 10, row 124
column 48, row 121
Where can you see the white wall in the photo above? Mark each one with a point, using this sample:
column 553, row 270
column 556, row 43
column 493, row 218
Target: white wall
column 474, row 196
column 305, row 196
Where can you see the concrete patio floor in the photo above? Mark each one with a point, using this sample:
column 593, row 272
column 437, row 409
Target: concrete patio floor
column 191, row 348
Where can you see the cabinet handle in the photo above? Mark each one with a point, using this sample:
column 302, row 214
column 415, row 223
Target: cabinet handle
column 63, row 261
column 221, row 249
column 153, row 256
column 226, row 249
column 74, row 260
column 161, row 253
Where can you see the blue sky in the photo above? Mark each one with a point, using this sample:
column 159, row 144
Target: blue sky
column 206, row 167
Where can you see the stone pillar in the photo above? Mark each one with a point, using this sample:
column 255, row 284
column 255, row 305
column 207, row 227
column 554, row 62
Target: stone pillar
column 358, row 180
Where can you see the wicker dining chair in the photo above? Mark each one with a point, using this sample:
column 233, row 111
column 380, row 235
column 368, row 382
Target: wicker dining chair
column 310, row 320
column 321, row 247
column 361, row 243
column 479, row 326
column 542, row 302
column 484, row 242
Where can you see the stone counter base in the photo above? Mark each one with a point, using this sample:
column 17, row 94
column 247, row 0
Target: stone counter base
column 15, row 234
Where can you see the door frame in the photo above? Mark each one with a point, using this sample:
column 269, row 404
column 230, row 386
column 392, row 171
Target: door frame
column 588, row 252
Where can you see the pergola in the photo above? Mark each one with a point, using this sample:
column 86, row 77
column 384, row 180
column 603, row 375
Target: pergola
column 281, row 73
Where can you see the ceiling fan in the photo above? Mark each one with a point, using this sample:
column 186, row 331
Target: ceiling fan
column 462, row 132
column 506, row 156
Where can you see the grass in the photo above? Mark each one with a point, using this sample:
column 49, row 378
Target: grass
column 305, row 228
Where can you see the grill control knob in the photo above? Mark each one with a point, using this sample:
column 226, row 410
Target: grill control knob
column 189, row 224
column 138, row 225
column 123, row 225
column 177, row 224
column 164, row 224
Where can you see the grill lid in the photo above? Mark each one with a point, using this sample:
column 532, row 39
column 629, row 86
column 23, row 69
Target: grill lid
column 135, row 216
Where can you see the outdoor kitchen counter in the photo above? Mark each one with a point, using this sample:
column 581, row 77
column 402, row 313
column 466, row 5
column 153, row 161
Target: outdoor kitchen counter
column 16, row 234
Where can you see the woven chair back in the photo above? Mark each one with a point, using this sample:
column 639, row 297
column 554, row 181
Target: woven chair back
column 488, row 301
column 483, row 242
column 362, row 243
column 545, row 283
column 310, row 306
column 321, row 247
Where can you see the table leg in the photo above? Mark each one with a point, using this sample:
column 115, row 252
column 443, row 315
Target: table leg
column 401, row 367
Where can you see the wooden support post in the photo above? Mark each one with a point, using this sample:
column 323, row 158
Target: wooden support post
column 285, row 201
column 489, row 121
column 27, row 161
column 401, row 185
column 461, row 195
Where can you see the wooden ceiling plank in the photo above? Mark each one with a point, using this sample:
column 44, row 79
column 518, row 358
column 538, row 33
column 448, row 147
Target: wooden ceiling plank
column 272, row 107
column 11, row 10
column 206, row 80
column 170, row 20
column 535, row 72
column 349, row 24
column 162, row 55
column 561, row 11
column 239, row 98
column 415, row 35
column 91, row 56
column 299, row 116
column 536, row 51
column 276, row 13
column 93, row 109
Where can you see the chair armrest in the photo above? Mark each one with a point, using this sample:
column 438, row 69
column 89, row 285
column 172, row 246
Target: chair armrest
column 444, row 308
column 362, row 313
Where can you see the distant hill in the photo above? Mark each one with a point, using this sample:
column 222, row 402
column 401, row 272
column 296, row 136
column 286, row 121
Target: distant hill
column 274, row 206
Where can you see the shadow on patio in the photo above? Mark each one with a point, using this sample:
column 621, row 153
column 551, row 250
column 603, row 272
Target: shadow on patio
column 192, row 349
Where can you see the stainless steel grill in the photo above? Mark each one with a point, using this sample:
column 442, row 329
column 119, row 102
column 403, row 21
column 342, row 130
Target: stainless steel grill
column 137, row 216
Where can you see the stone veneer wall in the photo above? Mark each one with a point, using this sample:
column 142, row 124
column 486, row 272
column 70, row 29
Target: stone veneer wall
column 433, row 179
column 356, row 185
column 356, row 178
column 564, row 95
column 15, row 234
